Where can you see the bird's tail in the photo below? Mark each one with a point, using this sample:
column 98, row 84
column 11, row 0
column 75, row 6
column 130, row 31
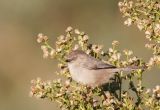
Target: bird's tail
column 128, row 69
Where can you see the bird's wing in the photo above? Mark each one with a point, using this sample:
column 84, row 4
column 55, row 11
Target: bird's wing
column 102, row 65
column 96, row 64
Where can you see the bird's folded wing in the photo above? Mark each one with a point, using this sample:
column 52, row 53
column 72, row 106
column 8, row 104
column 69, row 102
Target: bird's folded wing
column 93, row 63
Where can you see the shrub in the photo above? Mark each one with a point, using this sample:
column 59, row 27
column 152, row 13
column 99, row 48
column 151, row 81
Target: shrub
column 73, row 96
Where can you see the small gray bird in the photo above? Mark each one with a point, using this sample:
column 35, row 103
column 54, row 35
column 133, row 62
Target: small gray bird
column 90, row 71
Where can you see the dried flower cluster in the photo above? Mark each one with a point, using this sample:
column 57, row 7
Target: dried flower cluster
column 73, row 96
column 145, row 14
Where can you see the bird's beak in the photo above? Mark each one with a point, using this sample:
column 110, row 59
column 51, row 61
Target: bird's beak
column 67, row 60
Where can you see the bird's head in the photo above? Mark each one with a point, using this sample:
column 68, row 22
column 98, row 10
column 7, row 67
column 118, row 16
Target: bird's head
column 76, row 55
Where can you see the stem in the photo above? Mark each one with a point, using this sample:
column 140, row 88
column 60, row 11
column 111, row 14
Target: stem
column 140, row 79
column 141, row 11
column 139, row 100
column 103, row 93
column 157, row 12
column 120, row 87
column 48, row 46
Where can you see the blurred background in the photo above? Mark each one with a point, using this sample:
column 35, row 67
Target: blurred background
column 21, row 57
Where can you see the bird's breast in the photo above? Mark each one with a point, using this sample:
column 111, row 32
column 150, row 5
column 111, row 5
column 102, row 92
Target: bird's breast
column 87, row 76
column 81, row 74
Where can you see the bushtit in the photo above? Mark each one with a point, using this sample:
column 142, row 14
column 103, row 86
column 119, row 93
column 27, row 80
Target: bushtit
column 90, row 71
